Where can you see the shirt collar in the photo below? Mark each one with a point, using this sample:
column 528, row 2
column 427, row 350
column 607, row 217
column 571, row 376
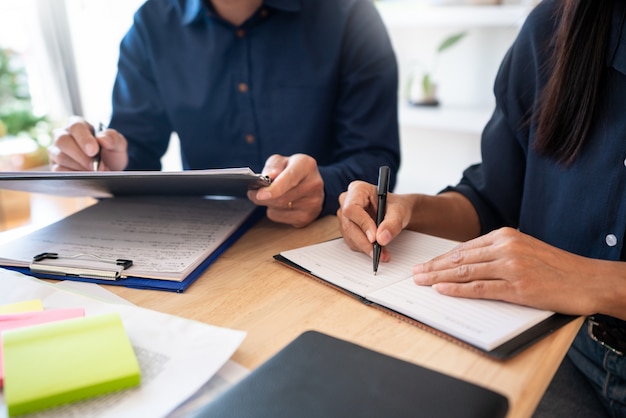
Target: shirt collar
column 192, row 10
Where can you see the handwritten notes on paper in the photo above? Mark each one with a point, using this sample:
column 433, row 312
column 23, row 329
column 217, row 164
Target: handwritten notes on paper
column 166, row 238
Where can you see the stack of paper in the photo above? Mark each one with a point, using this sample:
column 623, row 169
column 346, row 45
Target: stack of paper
column 176, row 356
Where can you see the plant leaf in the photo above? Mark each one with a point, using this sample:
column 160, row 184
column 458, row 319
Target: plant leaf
column 451, row 40
column 426, row 85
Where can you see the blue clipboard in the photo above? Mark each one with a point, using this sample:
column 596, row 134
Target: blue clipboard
column 158, row 284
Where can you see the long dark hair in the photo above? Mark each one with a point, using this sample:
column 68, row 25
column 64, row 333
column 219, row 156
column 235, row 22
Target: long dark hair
column 569, row 101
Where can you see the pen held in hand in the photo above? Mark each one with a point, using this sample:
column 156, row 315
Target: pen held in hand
column 95, row 162
column 383, row 189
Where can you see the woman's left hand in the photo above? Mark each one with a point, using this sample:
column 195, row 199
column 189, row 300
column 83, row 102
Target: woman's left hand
column 511, row 266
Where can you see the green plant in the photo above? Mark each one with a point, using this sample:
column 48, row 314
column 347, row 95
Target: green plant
column 16, row 111
column 427, row 78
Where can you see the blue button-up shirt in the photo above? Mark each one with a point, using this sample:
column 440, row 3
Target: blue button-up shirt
column 300, row 76
column 580, row 208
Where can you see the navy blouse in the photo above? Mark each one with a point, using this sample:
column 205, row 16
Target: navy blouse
column 581, row 207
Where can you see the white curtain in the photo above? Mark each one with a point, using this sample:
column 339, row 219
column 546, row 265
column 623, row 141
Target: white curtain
column 57, row 42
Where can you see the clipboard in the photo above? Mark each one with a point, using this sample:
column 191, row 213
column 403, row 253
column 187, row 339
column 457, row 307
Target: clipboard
column 234, row 182
column 87, row 267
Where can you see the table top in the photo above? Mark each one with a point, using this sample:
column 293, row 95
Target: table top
column 246, row 289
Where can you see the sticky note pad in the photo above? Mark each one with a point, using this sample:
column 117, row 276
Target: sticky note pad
column 65, row 361
column 24, row 306
column 26, row 319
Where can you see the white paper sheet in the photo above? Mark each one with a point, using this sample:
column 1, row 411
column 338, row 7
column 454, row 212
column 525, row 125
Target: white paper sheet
column 230, row 373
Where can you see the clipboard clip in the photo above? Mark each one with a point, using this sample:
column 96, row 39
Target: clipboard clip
column 87, row 266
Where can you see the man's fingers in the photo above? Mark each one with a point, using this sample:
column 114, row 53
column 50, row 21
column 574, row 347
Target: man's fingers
column 68, row 153
column 274, row 165
column 75, row 147
column 83, row 134
column 296, row 169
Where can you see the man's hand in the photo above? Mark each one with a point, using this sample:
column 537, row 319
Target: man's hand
column 296, row 194
column 75, row 147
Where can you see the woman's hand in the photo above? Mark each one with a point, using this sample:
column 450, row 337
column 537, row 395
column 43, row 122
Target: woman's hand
column 511, row 266
column 357, row 215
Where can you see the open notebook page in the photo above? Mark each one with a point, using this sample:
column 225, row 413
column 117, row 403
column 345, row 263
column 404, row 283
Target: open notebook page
column 482, row 323
column 352, row 270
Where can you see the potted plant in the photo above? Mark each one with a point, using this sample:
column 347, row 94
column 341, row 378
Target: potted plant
column 425, row 93
column 21, row 130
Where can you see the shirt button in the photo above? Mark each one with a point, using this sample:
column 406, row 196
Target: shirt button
column 264, row 13
column 250, row 139
column 243, row 87
column 625, row 162
column 611, row 240
column 240, row 33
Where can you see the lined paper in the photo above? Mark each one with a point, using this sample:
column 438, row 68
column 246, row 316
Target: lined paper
column 483, row 323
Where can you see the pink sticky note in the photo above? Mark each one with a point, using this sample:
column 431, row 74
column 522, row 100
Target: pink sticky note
column 27, row 319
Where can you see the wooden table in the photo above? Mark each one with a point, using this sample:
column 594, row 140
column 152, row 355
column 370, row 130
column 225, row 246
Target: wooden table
column 246, row 289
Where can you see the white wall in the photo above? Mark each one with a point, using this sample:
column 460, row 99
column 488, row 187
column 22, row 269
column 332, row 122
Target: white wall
column 438, row 143
column 465, row 72
column 432, row 160
column 97, row 27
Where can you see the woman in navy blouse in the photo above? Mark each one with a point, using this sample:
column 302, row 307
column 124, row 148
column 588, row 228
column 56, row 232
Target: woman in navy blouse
column 304, row 91
column 543, row 216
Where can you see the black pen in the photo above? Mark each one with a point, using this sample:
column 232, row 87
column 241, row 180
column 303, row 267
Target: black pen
column 95, row 162
column 383, row 189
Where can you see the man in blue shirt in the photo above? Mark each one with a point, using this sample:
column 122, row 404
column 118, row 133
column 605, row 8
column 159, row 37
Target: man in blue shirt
column 303, row 90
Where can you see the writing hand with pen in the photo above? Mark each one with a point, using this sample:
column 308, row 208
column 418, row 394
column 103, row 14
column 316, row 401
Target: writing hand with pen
column 80, row 147
column 370, row 217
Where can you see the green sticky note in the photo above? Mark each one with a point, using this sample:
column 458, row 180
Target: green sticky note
column 66, row 361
